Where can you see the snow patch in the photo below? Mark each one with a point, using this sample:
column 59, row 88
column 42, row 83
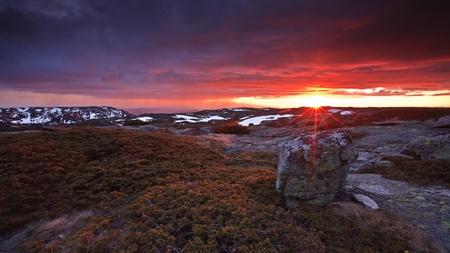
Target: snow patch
column 213, row 117
column 144, row 119
column 240, row 110
column 257, row 120
column 347, row 112
column 92, row 115
column 56, row 110
column 194, row 119
column 184, row 118
column 334, row 110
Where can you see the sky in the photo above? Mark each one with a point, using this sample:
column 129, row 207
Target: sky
column 185, row 55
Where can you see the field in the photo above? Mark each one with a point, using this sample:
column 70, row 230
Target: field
column 94, row 190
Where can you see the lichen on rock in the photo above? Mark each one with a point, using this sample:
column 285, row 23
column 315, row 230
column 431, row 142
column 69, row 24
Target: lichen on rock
column 313, row 167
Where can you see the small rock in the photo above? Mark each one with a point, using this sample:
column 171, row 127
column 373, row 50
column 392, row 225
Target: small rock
column 443, row 122
column 366, row 201
column 204, row 131
column 445, row 192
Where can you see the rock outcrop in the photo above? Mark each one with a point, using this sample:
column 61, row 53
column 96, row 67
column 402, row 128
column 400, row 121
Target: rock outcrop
column 443, row 122
column 433, row 148
column 313, row 167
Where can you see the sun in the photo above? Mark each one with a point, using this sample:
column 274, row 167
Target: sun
column 314, row 101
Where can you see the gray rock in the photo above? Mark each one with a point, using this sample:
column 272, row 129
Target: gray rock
column 366, row 201
column 313, row 168
column 149, row 129
column 373, row 188
column 186, row 131
column 374, row 184
column 443, row 122
column 204, row 131
column 432, row 148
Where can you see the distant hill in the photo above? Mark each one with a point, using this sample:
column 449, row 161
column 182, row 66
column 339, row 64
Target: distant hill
column 29, row 118
column 59, row 115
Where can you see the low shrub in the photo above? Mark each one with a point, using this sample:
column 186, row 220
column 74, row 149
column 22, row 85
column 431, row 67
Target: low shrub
column 251, row 159
column 360, row 135
column 369, row 226
column 419, row 172
column 163, row 193
column 235, row 129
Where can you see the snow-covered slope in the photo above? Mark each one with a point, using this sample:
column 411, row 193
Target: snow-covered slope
column 58, row 115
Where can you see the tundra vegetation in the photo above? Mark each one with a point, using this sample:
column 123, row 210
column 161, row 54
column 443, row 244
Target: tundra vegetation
column 94, row 190
column 418, row 172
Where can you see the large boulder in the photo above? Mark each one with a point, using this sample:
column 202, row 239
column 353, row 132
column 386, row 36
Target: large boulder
column 432, row 148
column 443, row 122
column 313, row 168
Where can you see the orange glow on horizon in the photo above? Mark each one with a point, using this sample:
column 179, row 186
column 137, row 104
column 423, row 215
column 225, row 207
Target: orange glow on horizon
column 10, row 98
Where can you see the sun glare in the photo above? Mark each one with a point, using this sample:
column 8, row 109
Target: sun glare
column 314, row 101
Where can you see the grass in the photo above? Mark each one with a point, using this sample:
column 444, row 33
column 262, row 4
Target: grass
column 419, row 172
column 91, row 190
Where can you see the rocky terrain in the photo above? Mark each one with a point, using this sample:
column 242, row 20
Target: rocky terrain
column 378, row 133
column 428, row 207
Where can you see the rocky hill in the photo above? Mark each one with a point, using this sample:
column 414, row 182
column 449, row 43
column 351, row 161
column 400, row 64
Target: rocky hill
column 59, row 115
column 332, row 117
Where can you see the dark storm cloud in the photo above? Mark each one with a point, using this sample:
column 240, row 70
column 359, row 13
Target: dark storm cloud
column 222, row 48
